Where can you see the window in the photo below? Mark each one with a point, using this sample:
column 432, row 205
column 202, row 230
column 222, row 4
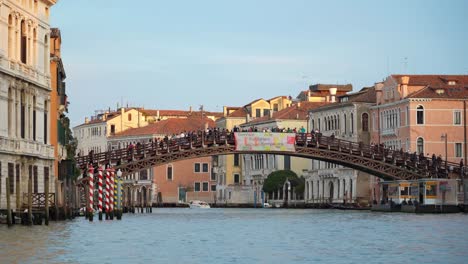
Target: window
column 365, row 122
column 420, row 145
column 352, row 123
column 0, row 177
column 46, row 108
column 457, row 117
column 112, row 129
column 46, row 175
column 205, row 186
column 458, row 150
column 407, row 116
column 169, row 172
column 266, row 112
column 144, row 175
column 129, row 117
column 275, row 107
column 23, row 44
column 213, row 175
column 35, row 183
column 11, row 172
column 17, row 175
column 257, row 112
column 236, row 178
column 197, row 187
column 205, row 167
column 197, row 167
column 451, row 82
column 420, row 115
column 236, row 159
column 287, row 162
column 213, row 187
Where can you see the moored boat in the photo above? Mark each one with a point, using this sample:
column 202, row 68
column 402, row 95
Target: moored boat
column 198, row 204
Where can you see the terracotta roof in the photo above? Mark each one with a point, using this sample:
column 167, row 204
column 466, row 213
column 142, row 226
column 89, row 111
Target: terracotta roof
column 168, row 127
column 365, row 95
column 326, row 87
column 151, row 112
column 254, row 101
column 241, row 112
column 433, row 80
column 452, row 92
column 298, row 111
column 182, row 113
column 281, row 96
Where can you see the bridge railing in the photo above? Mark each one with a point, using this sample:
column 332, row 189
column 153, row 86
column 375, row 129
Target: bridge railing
column 418, row 163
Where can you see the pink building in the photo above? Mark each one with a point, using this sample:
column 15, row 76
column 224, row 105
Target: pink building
column 423, row 114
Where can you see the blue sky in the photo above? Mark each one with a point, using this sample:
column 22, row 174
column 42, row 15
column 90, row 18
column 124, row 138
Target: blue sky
column 176, row 54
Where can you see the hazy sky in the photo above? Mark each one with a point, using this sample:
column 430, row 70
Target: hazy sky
column 175, row 54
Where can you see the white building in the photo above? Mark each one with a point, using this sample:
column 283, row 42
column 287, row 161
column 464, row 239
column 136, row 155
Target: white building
column 25, row 147
column 346, row 119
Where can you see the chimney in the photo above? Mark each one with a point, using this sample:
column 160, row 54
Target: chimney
column 86, row 120
column 122, row 110
column 157, row 113
column 378, row 91
column 225, row 111
column 404, row 86
column 190, row 109
column 332, row 94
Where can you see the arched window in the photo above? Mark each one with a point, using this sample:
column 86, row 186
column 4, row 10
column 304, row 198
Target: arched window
column 365, row 122
column 23, row 114
column 23, row 48
column 420, row 145
column 46, row 109
column 313, row 124
column 46, row 55
column 352, row 123
column 129, row 117
column 34, row 118
column 318, row 123
column 11, row 37
column 420, row 115
column 34, row 49
column 345, row 124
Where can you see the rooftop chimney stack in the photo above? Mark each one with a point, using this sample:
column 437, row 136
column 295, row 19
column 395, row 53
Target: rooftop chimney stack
column 332, row 94
column 86, row 120
column 404, row 86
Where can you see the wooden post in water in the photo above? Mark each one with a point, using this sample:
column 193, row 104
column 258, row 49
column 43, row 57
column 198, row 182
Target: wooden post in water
column 30, row 221
column 8, row 198
column 46, row 187
column 56, row 200
column 64, row 199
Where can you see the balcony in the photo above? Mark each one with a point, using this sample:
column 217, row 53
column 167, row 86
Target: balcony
column 389, row 132
column 26, row 148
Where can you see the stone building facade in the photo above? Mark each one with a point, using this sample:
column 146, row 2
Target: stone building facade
column 25, row 114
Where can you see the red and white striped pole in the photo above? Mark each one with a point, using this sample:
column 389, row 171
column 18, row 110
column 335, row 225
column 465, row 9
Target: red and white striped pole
column 100, row 193
column 91, row 192
column 111, row 202
column 107, row 192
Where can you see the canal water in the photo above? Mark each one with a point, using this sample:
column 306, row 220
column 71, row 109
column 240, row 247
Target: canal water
column 243, row 236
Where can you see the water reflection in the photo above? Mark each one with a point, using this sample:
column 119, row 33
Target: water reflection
column 242, row 236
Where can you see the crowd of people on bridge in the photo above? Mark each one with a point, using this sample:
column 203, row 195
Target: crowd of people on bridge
column 215, row 135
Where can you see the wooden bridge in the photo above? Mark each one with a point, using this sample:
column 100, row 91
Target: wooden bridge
column 376, row 160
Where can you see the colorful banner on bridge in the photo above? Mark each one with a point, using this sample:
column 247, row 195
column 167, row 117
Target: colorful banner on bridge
column 263, row 141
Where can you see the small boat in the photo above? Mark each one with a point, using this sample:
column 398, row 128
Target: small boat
column 3, row 219
column 198, row 204
column 267, row 205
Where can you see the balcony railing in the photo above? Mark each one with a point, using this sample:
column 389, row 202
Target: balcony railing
column 26, row 148
column 389, row 131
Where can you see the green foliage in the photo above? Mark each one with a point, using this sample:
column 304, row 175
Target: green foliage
column 276, row 180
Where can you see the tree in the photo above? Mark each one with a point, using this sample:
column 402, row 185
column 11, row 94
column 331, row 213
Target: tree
column 277, row 179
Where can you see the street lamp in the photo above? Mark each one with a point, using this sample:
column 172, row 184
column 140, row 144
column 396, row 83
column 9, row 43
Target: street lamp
column 444, row 136
column 119, row 194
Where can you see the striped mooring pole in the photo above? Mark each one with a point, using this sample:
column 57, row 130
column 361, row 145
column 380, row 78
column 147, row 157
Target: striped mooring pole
column 107, row 192
column 111, row 203
column 91, row 192
column 100, row 193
